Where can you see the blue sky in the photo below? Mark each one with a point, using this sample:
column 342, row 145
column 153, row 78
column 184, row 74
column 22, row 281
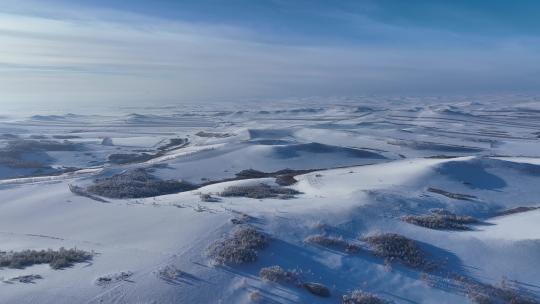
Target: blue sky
column 174, row 51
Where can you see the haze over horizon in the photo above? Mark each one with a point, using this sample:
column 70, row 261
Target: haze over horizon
column 162, row 52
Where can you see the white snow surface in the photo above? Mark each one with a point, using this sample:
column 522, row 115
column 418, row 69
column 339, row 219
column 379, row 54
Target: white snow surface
column 369, row 163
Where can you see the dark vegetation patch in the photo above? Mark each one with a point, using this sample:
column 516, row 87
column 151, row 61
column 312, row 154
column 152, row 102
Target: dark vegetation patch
column 13, row 155
column 516, row 210
column 458, row 196
column 80, row 191
column 251, row 173
column 332, row 242
column 481, row 293
column 129, row 158
column 361, row 297
column 136, row 183
column 277, row 274
column 57, row 259
column 212, row 134
column 27, row 279
column 238, row 248
column 14, row 160
column 441, row 220
column 397, row 248
column 259, row 191
column 26, row 145
column 286, row 180
column 170, row 274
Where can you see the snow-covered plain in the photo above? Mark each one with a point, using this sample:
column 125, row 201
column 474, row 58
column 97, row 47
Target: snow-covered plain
column 368, row 161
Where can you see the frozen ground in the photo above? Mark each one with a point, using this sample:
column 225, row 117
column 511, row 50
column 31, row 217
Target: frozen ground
column 360, row 166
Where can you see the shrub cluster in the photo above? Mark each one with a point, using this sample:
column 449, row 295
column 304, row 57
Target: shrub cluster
column 26, row 145
column 286, row 180
column 57, row 259
column 80, row 191
column 441, row 220
column 127, row 158
column 12, row 154
column 212, row 134
column 238, row 248
column 361, row 297
column 29, row 278
column 481, row 293
column 458, row 196
column 259, row 191
column 136, row 183
column 251, row 173
column 516, row 210
column 278, row 275
column 169, row 273
column 394, row 247
column 332, row 242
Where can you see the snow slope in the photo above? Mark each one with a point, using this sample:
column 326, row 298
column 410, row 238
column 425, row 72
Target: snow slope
column 373, row 165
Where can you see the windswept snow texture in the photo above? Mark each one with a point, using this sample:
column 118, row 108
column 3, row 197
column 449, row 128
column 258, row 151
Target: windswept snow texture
column 358, row 168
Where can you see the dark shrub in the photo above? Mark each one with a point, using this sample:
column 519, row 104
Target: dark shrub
column 259, row 191
column 57, row 259
column 278, row 275
column 458, row 196
column 286, row 180
column 26, row 145
column 481, row 293
column 361, row 297
column 120, row 158
column 29, row 278
column 211, row 134
column 394, row 247
column 80, row 191
column 238, row 248
column 332, row 242
column 136, row 183
column 441, row 220
column 516, row 210
column 251, row 173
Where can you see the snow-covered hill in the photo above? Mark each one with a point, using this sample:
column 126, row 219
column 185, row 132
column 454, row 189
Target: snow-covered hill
column 458, row 179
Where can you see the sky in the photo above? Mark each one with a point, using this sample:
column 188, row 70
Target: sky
column 152, row 52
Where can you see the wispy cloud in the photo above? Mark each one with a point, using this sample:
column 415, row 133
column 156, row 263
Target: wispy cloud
column 104, row 56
